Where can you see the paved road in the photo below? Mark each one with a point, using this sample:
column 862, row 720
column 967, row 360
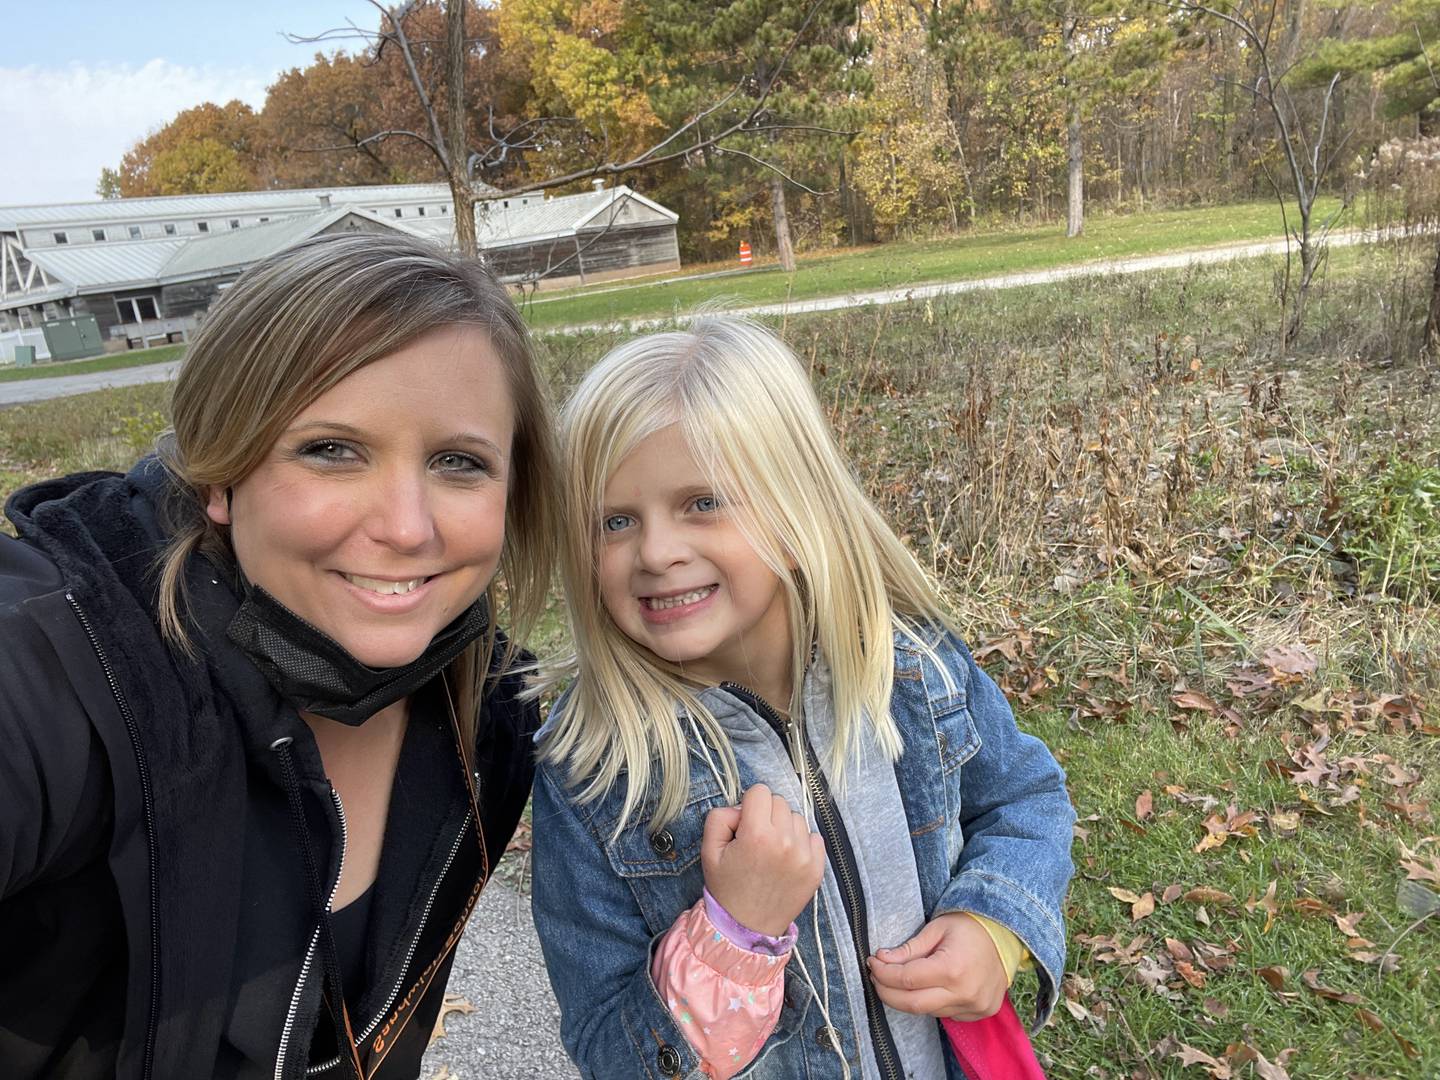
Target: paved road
column 513, row 1034
column 12, row 393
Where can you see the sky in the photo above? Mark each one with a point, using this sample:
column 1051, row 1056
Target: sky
column 77, row 91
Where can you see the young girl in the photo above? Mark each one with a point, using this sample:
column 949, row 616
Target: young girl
column 783, row 823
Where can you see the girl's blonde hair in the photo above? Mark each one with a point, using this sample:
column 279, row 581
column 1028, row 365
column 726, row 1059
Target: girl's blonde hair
column 296, row 324
column 747, row 410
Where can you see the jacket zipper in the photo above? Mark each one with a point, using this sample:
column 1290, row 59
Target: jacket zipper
column 837, row 846
column 147, row 801
column 309, row 960
column 415, row 941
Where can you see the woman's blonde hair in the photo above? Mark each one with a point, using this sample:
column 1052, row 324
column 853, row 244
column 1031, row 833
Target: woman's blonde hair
column 294, row 325
column 746, row 409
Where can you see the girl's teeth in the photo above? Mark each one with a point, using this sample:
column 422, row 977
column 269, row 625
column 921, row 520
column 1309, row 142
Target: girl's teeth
column 655, row 603
column 385, row 588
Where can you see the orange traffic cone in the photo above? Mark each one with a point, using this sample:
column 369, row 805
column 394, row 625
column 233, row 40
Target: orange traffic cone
column 745, row 256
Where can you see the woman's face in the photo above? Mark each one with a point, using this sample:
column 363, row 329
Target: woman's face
column 379, row 514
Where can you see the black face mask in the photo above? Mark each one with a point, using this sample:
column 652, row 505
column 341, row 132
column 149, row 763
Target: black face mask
column 313, row 672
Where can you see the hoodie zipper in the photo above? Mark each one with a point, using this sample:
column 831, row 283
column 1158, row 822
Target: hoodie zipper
column 409, row 953
column 147, row 801
column 309, row 960
column 841, row 854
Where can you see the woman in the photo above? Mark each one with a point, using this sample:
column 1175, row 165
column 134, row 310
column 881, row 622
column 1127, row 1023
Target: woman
column 262, row 746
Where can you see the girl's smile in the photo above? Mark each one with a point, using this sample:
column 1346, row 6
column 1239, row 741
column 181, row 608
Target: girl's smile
column 679, row 577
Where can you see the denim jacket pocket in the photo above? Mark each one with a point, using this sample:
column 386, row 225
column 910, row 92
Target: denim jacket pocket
column 958, row 742
column 662, row 867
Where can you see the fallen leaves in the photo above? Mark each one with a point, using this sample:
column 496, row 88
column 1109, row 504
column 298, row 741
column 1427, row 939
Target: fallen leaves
column 1140, row 906
column 1144, row 805
column 1236, row 823
column 453, row 1003
column 1418, row 865
column 1227, row 1065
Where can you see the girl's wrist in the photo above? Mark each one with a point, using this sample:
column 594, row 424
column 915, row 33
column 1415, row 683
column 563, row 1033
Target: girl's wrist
column 745, row 937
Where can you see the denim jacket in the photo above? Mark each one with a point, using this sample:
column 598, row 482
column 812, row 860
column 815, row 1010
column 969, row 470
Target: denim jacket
column 989, row 819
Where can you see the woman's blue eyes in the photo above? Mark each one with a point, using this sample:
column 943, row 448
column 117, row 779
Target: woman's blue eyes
column 335, row 452
column 615, row 522
column 706, row 504
column 327, row 450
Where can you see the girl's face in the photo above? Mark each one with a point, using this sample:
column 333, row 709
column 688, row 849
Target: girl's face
column 379, row 514
column 678, row 576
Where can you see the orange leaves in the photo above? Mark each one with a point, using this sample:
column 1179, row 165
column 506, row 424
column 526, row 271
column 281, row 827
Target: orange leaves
column 1235, row 823
column 1140, row 906
column 1144, row 805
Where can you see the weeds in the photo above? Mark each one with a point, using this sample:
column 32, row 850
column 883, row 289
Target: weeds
column 1205, row 574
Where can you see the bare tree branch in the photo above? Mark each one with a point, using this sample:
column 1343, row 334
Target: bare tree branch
column 358, row 144
column 772, row 167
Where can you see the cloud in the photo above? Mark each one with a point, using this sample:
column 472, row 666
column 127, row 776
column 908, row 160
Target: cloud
column 63, row 125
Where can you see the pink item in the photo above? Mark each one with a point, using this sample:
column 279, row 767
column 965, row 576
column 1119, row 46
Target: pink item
column 996, row 1048
column 726, row 999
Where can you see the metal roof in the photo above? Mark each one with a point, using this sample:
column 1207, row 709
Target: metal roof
column 114, row 266
column 239, row 248
column 104, row 267
column 101, row 211
column 497, row 226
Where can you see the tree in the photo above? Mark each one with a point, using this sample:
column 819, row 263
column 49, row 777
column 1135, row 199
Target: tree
column 108, row 186
column 204, row 146
column 1404, row 59
column 464, row 156
column 781, row 77
column 909, row 162
column 1307, row 148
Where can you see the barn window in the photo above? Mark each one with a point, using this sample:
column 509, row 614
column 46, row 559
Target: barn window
column 202, row 226
column 61, row 238
column 422, row 211
column 134, row 232
column 234, row 223
column 97, row 234
column 263, row 220
column 169, row 228
column 398, row 211
column 136, row 308
column 444, row 209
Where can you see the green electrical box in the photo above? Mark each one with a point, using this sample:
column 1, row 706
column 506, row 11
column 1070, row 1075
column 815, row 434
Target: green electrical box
column 24, row 355
column 72, row 338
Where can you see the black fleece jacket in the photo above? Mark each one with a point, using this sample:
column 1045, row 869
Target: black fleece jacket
column 156, row 917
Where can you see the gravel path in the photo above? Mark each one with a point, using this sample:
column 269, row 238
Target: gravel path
column 513, row 1034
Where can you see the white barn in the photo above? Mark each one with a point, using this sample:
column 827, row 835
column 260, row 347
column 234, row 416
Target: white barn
column 146, row 269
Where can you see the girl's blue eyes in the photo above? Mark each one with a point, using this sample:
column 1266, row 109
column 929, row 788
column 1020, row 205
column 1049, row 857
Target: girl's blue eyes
column 703, row 504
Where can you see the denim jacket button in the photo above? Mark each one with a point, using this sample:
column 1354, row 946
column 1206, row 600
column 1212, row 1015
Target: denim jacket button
column 827, row 1038
column 669, row 1060
column 663, row 843
column 944, row 743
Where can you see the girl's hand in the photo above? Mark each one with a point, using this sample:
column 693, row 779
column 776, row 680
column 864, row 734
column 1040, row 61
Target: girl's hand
column 761, row 861
column 950, row 969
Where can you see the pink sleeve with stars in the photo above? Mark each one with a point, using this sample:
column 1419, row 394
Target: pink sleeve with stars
column 726, row 999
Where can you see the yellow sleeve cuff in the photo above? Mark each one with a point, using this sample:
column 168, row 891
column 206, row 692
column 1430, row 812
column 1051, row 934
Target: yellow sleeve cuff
column 1013, row 954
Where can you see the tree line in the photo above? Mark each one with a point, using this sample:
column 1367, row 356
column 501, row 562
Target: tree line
column 815, row 123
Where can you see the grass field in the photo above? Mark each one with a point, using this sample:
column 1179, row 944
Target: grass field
column 896, row 265
column 111, row 362
column 1207, row 574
